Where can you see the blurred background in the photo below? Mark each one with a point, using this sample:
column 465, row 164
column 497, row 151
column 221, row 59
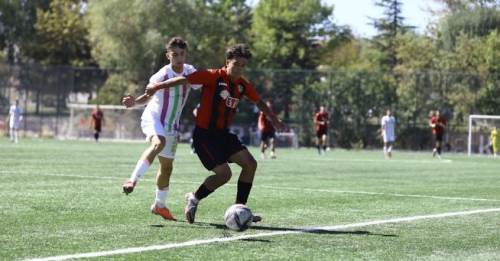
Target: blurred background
column 61, row 57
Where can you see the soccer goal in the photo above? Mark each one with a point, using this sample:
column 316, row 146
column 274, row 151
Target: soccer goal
column 480, row 127
column 120, row 123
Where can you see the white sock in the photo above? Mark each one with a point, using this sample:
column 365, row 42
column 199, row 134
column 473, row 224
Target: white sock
column 385, row 149
column 161, row 195
column 11, row 134
column 140, row 168
column 389, row 149
column 15, row 136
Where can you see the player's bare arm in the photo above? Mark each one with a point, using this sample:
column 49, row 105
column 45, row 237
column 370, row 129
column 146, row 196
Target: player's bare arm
column 276, row 122
column 153, row 87
column 129, row 100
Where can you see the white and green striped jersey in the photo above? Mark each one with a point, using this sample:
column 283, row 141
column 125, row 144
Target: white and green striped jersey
column 166, row 105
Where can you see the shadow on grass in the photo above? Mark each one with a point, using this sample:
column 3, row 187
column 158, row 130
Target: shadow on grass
column 269, row 228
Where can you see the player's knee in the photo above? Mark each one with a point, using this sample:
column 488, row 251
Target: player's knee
column 250, row 164
column 224, row 176
column 158, row 145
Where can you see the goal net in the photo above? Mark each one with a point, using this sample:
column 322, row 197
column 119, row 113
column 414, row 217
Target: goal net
column 120, row 123
column 480, row 127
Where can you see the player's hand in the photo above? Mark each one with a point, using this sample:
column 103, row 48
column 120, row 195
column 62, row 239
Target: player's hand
column 128, row 101
column 151, row 89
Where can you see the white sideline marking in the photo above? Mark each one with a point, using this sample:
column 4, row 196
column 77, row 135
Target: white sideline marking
column 259, row 235
column 300, row 189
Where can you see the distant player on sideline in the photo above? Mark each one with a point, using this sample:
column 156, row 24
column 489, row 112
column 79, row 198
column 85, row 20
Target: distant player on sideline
column 388, row 124
column 15, row 117
column 321, row 123
column 267, row 133
column 438, row 123
column 160, row 124
column 215, row 146
column 97, row 121
column 494, row 142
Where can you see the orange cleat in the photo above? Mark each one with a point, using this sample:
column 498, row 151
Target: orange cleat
column 128, row 187
column 162, row 212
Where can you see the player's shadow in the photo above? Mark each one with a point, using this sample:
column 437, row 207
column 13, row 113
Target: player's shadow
column 303, row 230
column 268, row 228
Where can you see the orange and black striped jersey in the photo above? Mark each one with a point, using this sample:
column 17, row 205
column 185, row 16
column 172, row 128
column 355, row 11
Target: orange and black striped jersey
column 220, row 97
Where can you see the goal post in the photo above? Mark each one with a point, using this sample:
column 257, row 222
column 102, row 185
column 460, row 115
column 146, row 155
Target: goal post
column 479, row 129
column 120, row 123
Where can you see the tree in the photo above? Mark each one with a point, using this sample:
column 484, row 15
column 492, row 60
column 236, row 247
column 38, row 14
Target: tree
column 478, row 21
column 237, row 17
column 388, row 28
column 287, row 34
column 61, row 35
column 17, row 19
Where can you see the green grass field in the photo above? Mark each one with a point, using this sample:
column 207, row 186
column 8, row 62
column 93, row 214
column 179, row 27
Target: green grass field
column 64, row 198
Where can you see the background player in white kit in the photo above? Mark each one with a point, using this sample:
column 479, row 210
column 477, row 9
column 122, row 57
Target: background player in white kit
column 15, row 117
column 388, row 123
column 160, row 124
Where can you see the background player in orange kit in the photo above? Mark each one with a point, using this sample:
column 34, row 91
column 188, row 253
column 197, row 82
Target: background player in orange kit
column 321, row 123
column 267, row 133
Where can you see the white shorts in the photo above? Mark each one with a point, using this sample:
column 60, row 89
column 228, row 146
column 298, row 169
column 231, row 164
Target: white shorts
column 389, row 138
column 154, row 128
column 14, row 125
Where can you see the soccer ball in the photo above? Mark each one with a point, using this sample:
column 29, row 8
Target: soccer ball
column 238, row 217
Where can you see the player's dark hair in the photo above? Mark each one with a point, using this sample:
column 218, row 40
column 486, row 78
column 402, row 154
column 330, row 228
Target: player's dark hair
column 239, row 50
column 176, row 42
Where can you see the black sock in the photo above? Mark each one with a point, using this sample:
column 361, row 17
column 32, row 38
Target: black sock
column 439, row 150
column 243, row 192
column 319, row 148
column 96, row 136
column 324, row 147
column 202, row 192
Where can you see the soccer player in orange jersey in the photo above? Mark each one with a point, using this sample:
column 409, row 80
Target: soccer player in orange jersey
column 222, row 90
column 321, row 123
column 437, row 123
column 267, row 133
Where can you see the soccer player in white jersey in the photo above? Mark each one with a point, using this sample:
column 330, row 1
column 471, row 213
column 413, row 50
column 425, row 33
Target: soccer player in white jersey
column 388, row 123
column 15, row 118
column 160, row 124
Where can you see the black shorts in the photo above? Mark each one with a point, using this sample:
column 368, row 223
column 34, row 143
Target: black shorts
column 265, row 135
column 215, row 147
column 321, row 131
column 97, row 128
column 439, row 136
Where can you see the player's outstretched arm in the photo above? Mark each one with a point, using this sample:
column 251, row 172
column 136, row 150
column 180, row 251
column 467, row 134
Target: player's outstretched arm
column 129, row 100
column 153, row 87
column 276, row 122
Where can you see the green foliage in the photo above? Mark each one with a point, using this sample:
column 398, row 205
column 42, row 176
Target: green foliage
column 17, row 20
column 388, row 27
column 286, row 32
column 472, row 22
column 61, row 35
column 130, row 36
column 115, row 87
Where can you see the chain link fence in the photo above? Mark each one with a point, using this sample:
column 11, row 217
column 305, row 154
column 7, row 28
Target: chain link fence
column 356, row 100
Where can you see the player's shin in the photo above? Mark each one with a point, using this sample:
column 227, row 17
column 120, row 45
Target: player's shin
column 140, row 168
column 243, row 192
